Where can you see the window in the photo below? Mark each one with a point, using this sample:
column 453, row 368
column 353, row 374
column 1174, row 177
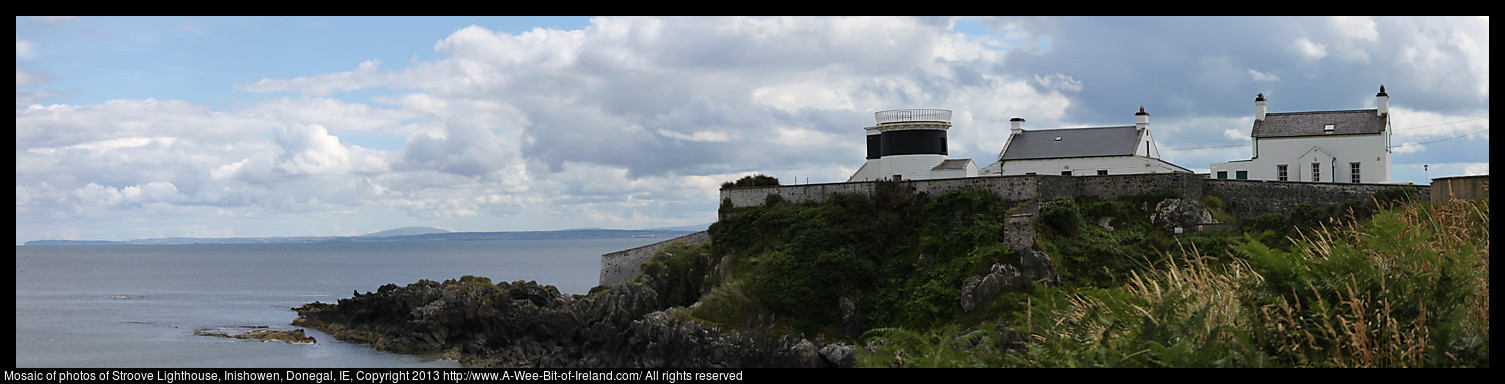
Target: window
column 1065, row 173
column 1327, row 128
column 1280, row 172
column 1102, row 172
column 1223, row 175
column 1316, row 171
column 1353, row 172
column 1241, row 175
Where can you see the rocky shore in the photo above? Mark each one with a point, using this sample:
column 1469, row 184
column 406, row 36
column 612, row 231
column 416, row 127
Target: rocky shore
column 524, row 324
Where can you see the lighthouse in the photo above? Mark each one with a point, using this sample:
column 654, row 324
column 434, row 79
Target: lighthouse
column 910, row 144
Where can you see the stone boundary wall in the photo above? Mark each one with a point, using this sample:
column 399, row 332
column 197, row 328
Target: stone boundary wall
column 1010, row 188
column 1250, row 198
column 754, row 196
column 1116, row 186
column 1245, row 198
column 623, row 266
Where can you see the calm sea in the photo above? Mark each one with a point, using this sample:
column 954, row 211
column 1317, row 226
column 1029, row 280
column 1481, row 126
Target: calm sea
column 137, row 306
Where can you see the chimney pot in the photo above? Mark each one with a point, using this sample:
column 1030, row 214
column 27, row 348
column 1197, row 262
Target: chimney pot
column 1259, row 107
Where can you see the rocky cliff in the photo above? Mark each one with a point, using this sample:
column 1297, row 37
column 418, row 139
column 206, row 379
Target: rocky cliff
column 524, row 324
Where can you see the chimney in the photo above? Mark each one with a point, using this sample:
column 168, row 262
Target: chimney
column 1142, row 119
column 1016, row 125
column 1259, row 107
column 1382, row 102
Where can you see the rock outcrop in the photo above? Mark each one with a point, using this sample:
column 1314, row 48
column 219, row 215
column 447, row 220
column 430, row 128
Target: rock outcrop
column 524, row 324
column 260, row 333
column 1034, row 266
column 1180, row 213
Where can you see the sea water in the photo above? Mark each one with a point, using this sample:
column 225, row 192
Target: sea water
column 138, row 306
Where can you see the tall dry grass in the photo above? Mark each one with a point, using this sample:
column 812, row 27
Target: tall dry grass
column 1421, row 300
column 1407, row 288
column 1200, row 286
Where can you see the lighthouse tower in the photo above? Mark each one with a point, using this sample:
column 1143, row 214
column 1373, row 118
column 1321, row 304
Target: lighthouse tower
column 910, row 144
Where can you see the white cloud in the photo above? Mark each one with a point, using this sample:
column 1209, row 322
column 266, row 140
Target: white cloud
column 1258, row 76
column 1443, row 53
column 702, row 136
column 1309, row 49
column 24, row 79
column 1417, row 125
column 1059, row 82
column 341, row 116
column 56, row 19
column 95, row 195
column 25, row 50
column 793, row 97
column 1476, row 169
column 637, row 120
column 365, row 75
column 1407, row 147
column 1356, row 27
column 311, row 150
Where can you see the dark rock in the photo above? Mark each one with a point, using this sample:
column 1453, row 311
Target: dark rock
column 851, row 319
column 524, row 324
column 1034, row 266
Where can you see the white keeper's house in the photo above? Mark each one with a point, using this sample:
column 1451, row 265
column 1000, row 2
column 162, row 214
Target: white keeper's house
column 1351, row 146
column 1120, row 150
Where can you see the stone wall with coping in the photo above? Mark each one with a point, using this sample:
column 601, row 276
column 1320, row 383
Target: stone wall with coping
column 1244, row 198
column 623, row 266
column 1250, row 198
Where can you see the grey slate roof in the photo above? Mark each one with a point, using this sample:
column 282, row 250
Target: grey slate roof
column 952, row 164
column 1074, row 142
column 1361, row 121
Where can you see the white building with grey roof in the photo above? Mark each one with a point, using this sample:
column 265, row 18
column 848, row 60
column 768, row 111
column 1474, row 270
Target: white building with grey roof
column 1349, row 146
column 1119, row 150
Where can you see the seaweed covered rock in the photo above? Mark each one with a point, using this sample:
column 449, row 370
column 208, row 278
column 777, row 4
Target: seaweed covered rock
column 259, row 333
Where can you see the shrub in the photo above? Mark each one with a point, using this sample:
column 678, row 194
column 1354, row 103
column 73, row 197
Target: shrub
column 684, row 271
column 1269, row 221
column 1062, row 215
column 808, row 285
column 752, row 181
column 1397, row 195
column 944, row 347
column 1307, row 215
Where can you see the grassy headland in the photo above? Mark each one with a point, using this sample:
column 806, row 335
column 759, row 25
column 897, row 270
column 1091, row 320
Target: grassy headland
column 1387, row 283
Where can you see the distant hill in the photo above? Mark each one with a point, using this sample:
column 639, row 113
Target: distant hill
column 405, row 231
column 686, row 228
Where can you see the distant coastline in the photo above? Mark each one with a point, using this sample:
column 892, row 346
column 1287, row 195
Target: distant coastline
column 400, row 234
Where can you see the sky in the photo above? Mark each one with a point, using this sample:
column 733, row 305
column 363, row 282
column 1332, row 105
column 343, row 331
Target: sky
column 150, row 127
